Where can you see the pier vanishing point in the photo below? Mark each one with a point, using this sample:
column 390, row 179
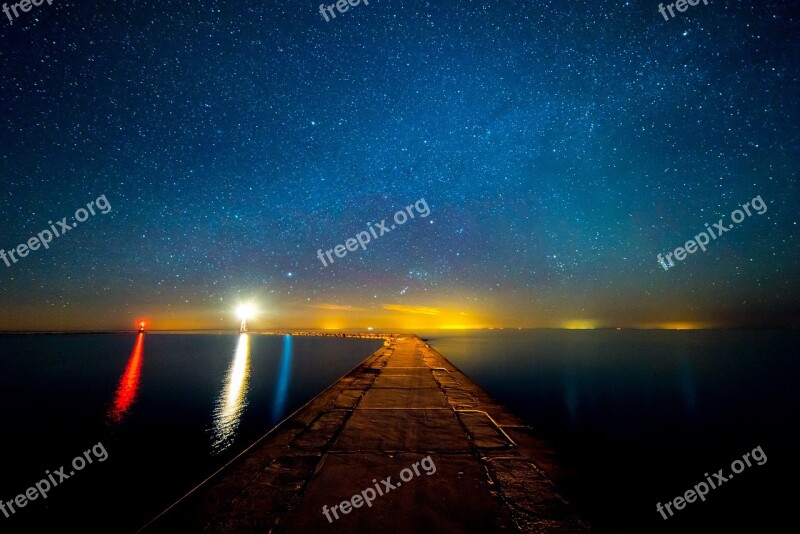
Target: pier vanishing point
column 405, row 402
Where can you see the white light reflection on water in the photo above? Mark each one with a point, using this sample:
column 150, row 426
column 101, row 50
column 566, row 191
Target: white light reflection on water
column 232, row 400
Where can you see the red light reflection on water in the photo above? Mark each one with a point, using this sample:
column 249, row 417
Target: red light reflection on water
column 129, row 383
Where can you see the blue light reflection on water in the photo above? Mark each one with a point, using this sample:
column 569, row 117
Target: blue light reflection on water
column 282, row 388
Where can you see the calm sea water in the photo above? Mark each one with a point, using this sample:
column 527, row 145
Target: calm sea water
column 639, row 415
column 643, row 415
column 168, row 410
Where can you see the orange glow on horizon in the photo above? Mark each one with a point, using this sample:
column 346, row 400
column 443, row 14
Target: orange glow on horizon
column 580, row 324
column 424, row 315
column 423, row 310
column 680, row 326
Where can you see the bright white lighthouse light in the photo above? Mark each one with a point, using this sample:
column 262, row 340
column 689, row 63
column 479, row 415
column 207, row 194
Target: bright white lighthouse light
column 245, row 312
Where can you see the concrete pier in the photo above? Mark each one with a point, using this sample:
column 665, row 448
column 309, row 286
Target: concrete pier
column 404, row 403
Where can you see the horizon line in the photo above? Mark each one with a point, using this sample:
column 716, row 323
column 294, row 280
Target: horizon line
column 376, row 331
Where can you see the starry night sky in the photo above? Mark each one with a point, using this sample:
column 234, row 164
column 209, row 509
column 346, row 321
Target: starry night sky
column 560, row 146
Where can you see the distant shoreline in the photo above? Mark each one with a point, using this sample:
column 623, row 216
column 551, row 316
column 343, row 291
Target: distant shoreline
column 342, row 333
column 361, row 333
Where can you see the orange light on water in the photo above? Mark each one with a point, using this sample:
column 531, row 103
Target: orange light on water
column 129, row 383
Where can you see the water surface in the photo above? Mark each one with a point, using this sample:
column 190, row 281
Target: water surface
column 168, row 409
column 642, row 415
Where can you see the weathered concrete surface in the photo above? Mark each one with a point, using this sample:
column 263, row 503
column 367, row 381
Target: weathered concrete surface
column 403, row 403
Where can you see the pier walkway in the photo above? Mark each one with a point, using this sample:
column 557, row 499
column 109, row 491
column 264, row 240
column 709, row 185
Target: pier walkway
column 403, row 404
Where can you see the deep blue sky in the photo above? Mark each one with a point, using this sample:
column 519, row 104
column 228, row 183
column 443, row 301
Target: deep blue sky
column 560, row 146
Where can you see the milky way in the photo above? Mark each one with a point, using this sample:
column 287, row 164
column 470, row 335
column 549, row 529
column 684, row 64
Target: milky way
column 560, row 147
